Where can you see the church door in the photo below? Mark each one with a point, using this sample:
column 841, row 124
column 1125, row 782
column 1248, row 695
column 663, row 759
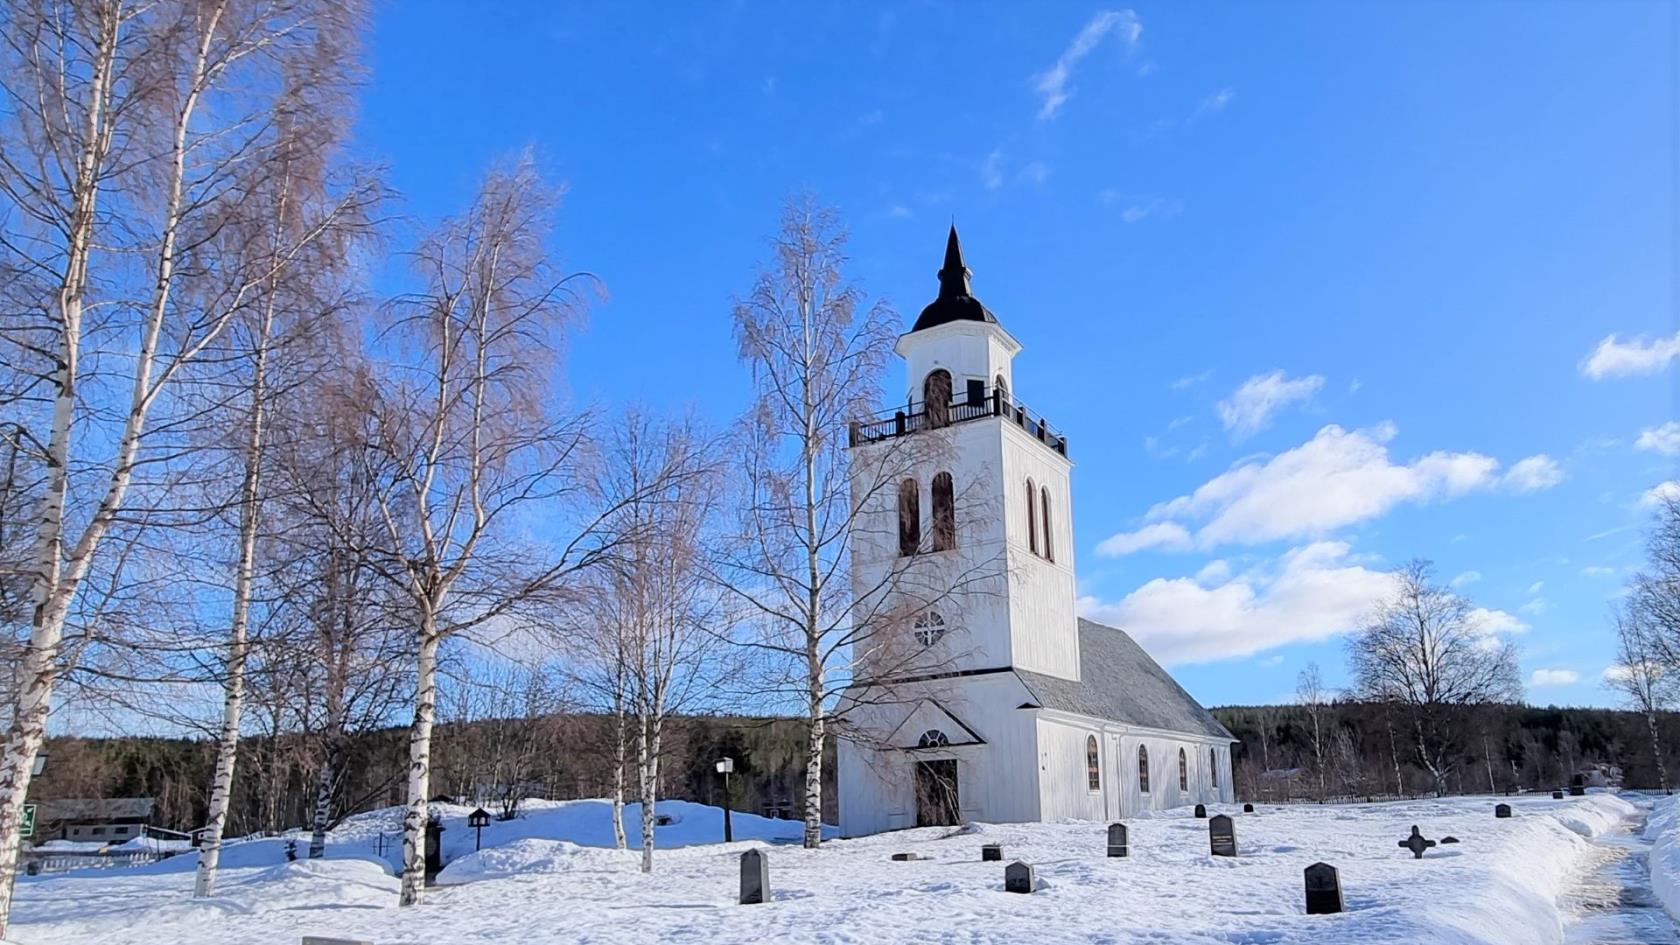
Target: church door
column 936, row 794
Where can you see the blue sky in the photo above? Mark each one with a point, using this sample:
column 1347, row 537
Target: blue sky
column 1332, row 276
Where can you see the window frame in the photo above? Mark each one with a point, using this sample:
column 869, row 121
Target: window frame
column 1143, row 769
column 1183, row 770
column 1049, row 548
column 1093, row 765
column 909, row 517
column 944, row 531
column 1213, row 766
column 1032, row 517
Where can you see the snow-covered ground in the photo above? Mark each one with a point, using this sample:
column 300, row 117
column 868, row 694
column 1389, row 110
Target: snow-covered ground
column 552, row 877
column 1663, row 830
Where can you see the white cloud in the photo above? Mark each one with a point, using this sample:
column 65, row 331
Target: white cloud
column 1534, row 607
column 1664, row 439
column 1491, row 622
column 991, row 171
column 1533, row 473
column 1052, row 84
column 1214, row 572
column 1190, row 380
column 1270, row 661
column 1660, row 494
column 1249, row 409
column 1642, row 355
column 1168, row 536
column 1597, row 570
column 1554, row 677
column 1537, row 587
column 1465, row 577
column 1336, row 479
column 1313, row 593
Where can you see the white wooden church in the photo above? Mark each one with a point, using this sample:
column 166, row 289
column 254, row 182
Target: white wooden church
column 992, row 700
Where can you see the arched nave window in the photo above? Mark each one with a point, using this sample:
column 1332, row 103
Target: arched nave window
column 932, row 738
column 909, row 517
column 1044, row 494
column 1183, row 771
column 1093, row 766
column 1213, row 765
column 944, row 513
column 1143, row 770
column 1032, row 518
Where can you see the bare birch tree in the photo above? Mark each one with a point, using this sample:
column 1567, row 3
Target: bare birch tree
column 1424, row 652
column 132, row 132
column 1311, row 694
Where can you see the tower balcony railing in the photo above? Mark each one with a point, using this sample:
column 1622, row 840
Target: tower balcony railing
column 975, row 404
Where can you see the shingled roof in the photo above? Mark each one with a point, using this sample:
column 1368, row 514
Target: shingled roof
column 1119, row 682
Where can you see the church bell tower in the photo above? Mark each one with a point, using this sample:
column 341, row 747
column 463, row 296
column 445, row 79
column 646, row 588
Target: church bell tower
column 990, row 496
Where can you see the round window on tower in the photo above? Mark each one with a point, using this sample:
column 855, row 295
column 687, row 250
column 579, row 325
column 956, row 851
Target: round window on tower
column 930, row 626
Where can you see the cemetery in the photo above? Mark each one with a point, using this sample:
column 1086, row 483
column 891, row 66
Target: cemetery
column 1283, row 873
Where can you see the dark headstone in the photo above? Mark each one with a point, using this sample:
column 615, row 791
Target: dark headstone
column 291, row 851
column 990, row 852
column 1577, row 790
column 1416, row 843
column 1222, row 836
column 434, row 848
column 1201, row 811
column 1117, row 840
column 755, row 877
column 33, row 867
column 903, row 857
column 1501, row 811
column 1447, row 840
column 1018, row 878
column 1248, row 808
column 1324, row 889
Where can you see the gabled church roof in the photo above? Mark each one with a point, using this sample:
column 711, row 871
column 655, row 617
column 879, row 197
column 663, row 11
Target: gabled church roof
column 1121, row 683
column 956, row 302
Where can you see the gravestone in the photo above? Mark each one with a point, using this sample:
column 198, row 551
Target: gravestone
column 1248, row 808
column 319, row 940
column 1117, row 840
column 1324, row 889
column 1557, row 795
column 1501, row 811
column 291, row 851
column 1222, row 836
column 990, row 852
column 1416, row 843
column 755, row 877
column 1577, row 789
column 1201, row 811
column 1447, row 840
column 903, row 857
column 1018, row 878
column 434, row 848
column 33, row 867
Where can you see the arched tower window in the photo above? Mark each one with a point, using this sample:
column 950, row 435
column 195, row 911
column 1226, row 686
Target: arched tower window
column 1143, row 770
column 1183, row 771
column 1213, row 765
column 909, row 517
column 1032, row 519
column 944, row 513
column 936, row 397
column 1093, row 767
column 1044, row 495
column 932, row 738
column 1002, row 387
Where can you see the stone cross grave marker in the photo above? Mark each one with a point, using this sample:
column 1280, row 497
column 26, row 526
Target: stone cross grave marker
column 1201, row 811
column 1501, row 811
column 755, row 877
column 1117, row 840
column 990, row 852
column 1416, row 843
column 1324, row 889
column 1018, row 878
column 1222, row 836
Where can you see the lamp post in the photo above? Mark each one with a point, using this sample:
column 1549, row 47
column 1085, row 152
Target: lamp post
column 478, row 820
column 725, row 766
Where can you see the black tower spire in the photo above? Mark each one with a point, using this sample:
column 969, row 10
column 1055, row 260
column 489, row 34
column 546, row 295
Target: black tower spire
column 956, row 301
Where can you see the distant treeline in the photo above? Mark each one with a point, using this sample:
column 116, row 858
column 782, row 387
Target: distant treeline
column 559, row 757
column 1364, row 749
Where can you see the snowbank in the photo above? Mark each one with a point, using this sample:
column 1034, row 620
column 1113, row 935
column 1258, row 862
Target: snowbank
column 1663, row 830
column 1499, row 886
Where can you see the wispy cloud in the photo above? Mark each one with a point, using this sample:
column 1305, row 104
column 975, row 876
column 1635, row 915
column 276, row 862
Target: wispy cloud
column 1533, row 473
column 1252, row 405
column 1190, row 380
column 1054, row 84
column 1465, row 577
column 1214, row 102
column 1664, row 439
column 1642, row 355
column 1554, row 677
column 991, row 170
column 1660, row 494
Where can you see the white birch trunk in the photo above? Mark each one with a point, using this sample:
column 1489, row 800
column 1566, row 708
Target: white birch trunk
column 620, row 751
column 420, row 766
column 644, row 775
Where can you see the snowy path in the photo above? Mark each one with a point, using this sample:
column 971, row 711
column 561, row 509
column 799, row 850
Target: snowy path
column 1615, row 904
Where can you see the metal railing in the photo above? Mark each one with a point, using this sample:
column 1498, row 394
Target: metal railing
column 964, row 407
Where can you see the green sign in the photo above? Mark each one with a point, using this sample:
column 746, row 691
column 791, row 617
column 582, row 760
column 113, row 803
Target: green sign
column 26, row 826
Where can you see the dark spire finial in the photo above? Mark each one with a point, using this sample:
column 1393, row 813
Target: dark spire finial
column 953, row 277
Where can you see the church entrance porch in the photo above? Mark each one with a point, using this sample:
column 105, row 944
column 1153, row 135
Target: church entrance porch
column 936, row 794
